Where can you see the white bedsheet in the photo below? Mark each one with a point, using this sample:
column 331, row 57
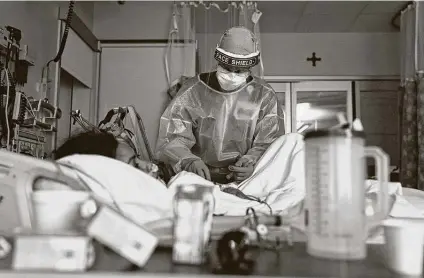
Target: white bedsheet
column 278, row 180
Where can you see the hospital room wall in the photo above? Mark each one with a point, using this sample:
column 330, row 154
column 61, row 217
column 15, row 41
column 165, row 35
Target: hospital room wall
column 283, row 53
column 348, row 54
column 84, row 10
column 132, row 21
column 73, row 94
column 38, row 22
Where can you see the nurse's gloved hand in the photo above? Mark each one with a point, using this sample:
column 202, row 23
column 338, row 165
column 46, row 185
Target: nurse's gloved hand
column 245, row 161
column 199, row 167
column 242, row 169
column 241, row 173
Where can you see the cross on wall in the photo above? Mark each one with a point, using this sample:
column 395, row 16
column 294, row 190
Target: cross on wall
column 314, row 59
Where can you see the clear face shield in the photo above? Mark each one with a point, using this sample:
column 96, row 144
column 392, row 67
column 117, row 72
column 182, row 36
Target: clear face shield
column 235, row 54
column 234, row 68
column 215, row 19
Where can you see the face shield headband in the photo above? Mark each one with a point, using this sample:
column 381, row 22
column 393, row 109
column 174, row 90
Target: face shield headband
column 235, row 60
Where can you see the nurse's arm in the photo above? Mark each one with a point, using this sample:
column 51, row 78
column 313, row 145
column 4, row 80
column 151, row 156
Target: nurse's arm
column 175, row 138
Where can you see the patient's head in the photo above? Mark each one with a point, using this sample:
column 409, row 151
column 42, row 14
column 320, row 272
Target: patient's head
column 96, row 143
column 104, row 144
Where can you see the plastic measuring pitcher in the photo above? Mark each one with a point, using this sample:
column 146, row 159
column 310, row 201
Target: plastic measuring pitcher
column 337, row 226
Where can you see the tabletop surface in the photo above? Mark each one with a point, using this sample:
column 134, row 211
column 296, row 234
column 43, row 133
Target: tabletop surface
column 288, row 262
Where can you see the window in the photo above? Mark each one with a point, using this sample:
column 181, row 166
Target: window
column 318, row 110
column 312, row 105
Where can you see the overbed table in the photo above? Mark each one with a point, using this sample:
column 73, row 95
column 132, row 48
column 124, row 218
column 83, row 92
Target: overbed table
column 288, row 262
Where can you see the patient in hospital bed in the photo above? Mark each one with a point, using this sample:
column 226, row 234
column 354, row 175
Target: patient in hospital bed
column 103, row 144
column 110, row 169
column 107, row 168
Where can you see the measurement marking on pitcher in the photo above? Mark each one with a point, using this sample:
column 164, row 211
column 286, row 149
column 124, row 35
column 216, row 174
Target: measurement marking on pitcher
column 321, row 193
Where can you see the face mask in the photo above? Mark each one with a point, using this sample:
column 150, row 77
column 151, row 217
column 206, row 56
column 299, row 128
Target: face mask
column 230, row 81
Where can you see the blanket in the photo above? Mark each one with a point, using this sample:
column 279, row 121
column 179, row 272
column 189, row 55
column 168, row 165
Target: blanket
column 278, row 181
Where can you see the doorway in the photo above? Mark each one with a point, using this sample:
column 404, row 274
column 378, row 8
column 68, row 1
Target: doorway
column 73, row 95
column 65, row 104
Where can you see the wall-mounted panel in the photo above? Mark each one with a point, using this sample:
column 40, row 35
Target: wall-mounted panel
column 78, row 59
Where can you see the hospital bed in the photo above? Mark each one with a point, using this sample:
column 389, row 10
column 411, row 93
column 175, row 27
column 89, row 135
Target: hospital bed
column 21, row 175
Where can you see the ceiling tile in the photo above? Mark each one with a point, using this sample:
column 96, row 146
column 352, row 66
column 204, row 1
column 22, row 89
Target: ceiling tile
column 293, row 8
column 324, row 23
column 334, row 7
column 283, row 17
column 274, row 24
column 373, row 23
column 378, row 7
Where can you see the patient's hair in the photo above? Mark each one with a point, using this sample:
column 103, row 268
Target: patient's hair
column 90, row 142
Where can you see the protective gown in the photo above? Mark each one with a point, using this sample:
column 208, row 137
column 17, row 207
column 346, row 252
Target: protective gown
column 218, row 127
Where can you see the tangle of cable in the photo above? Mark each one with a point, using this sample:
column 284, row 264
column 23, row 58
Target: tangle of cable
column 6, row 109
